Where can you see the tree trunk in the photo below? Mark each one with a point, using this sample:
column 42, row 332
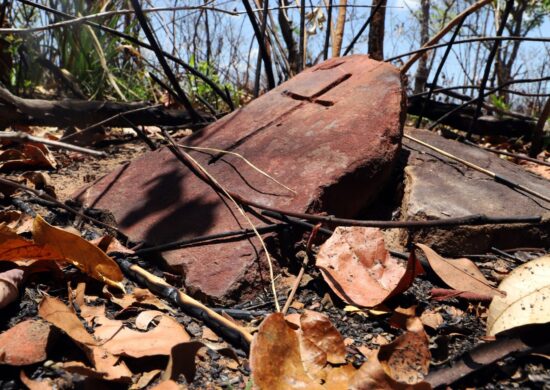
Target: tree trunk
column 376, row 32
column 339, row 29
column 292, row 48
column 421, row 77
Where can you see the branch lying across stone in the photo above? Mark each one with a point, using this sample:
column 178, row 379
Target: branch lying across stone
column 461, row 119
column 232, row 332
column 81, row 113
column 17, row 136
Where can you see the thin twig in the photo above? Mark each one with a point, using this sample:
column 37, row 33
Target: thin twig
column 261, row 43
column 200, row 148
column 438, row 71
column 488, row 66
column 514, row 155
column 363, row 28
column 444, row 31
column 475, row 99
column 182, row 97
column 305, row 262
column 18, row 136
column 208, row 238
column 495, row 176
column 43, row 195
column 228, row 329
column 468, row 40
column 216, row 185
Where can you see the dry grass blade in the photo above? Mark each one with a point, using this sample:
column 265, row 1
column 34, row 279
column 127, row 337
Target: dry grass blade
column 245, row 216
column 200, row 148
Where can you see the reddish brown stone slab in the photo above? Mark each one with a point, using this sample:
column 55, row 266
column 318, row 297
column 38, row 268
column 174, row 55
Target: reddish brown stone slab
column 25, row 343
column 331, row 134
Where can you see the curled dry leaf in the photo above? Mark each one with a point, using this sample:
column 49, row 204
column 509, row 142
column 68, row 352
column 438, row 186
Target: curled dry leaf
column 25, row 343
column 9, row 285
column 29, row 155
column 460, row 274
column 84, row 255
column 356, row 265
column 527, row 300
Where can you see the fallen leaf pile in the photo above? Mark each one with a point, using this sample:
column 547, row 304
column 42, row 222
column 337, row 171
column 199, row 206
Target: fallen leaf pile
column 51, row 243
column 25, row 156
column 313, row 356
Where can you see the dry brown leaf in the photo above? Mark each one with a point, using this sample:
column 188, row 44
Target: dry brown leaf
column 209, row 335
column 407, row 358
column 24, row 343
column 432, row 319
column 29, row 155
column 144, row 379
column 144, row 318
column 105, row 364
column 460, row 274
column 275, row 358
column 109, row 244
column 84, row 255
column 356, row 265
column 41, row 181
column 167, row 385
column 61, row 316
column 527, row 300
column 9, row 285
column 158, row 341
column 15, row 248
column 371, row 376
column 182, row 359
column 44, row 384
column 139, row 297
column 318, row 329
column 10, row 218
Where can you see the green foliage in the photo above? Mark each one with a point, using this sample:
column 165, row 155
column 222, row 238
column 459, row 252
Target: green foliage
column 95, row 59
column 500, row 103
column 201, row 90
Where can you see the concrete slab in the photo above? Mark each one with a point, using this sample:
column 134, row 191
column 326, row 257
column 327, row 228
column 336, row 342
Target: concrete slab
column 437, row 187
column 331, row 133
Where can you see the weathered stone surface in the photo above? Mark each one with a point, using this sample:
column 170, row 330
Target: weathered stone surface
column 437, row 187
column 331, row 134
column 25, row 343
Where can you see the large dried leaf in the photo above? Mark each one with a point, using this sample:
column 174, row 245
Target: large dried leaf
column 29, row 155
column 460, row 274
column 106, row 365
column 25, row 343
column 15, row 248
column 158, row 341
column 407, row 359
column 275, row 358
column 527, row 298
column 61, row 316
column 84, row 255
column 357, row 266
column 9, row 285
